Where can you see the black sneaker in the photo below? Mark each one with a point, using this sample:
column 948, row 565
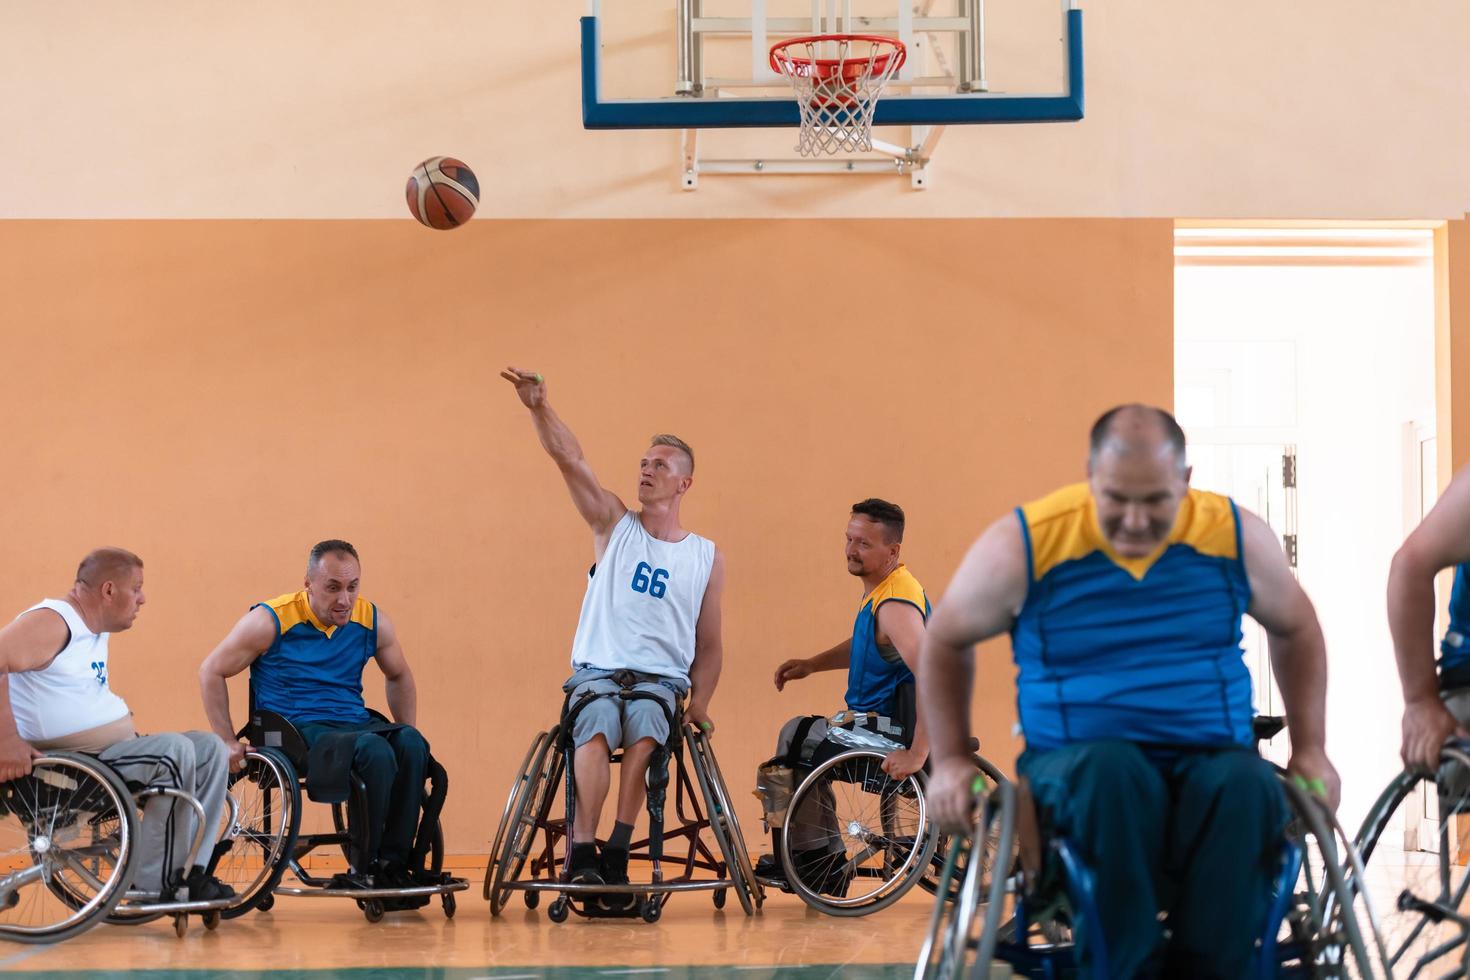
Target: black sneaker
column 350, row 880
column 822, row 870
column 206, row 887
column 768, row 869
column 584, row 865
column 612, row 867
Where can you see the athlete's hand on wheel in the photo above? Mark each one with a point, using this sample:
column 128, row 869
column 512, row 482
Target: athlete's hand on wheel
column 237, row 753
column 953, row 795
column 1428, row 724
column 900, row 764
column 529, row 385
column 1315, row 773
column 698, row 716
column 791, row 670
column 16, row 755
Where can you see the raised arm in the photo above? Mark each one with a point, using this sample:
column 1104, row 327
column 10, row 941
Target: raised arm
column 709, row 650
column 398, row 686
column 1298, row 652
column 982, row 601
column 30, row 642
column 1441, row 540
column 599, row 507
column 250, row 637
column 903, row 624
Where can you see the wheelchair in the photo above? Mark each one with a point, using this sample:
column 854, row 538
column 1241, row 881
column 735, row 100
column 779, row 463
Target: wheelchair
column 271, row 797
column 71, row 829
column 1426, row 926
column 854, row 840
column 1319, row 923
column 529, row 835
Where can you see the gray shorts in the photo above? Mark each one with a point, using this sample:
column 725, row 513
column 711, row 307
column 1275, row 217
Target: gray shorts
column 621, row 722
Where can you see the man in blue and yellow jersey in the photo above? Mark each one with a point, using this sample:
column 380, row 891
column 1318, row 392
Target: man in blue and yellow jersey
column 1123, row 598
column 306, row 651
column 1436, row 702
column 880, row 656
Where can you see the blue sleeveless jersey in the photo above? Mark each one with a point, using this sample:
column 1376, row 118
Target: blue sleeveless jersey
column 313, row 672
column 874, row 672
column 1146, row 650
column 1454, row 649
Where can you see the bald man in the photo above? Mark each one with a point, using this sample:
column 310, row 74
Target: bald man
column 55, row 696
column 1123, row 598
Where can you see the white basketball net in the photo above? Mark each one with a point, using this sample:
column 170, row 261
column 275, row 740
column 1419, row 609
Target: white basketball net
column 837, row 81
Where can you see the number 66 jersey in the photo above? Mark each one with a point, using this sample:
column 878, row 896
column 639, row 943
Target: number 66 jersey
column 643, row 601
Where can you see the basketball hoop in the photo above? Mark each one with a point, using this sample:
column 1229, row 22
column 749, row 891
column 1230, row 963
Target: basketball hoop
column 837, row 95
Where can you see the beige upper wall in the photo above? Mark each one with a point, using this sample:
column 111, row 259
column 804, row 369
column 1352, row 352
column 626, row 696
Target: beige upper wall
column 198, row 108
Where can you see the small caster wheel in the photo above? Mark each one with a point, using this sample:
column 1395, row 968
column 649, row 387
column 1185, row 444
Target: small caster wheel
column 210, row 920
column 720, row 898
column 449, row 905
column 651, row 910
column 181, row 924
column 372, row 909
column 533, row 899
column 265, row 904
column 557, row 910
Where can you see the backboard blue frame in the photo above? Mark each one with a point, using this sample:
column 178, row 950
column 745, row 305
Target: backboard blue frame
column 685, row 112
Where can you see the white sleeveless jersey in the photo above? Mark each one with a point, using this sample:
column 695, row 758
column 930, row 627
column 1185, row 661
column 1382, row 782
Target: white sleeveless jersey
column 643, row 602
column 71, row 694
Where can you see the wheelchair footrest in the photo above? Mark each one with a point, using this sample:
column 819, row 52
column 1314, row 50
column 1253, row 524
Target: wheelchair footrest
column 452, row 885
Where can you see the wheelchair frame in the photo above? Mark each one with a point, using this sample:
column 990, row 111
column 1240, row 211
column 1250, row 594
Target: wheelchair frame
column 275, row 732
column 116, row 903
column 926, row 865
column 1445, row 906
column 527, row 814
column 1326, row 939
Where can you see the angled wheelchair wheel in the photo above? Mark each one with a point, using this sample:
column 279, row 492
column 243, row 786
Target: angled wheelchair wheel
column 855, row 839
column 969, row 902
column 531, row 798
column 263, row 820
column 510, row 801
column 930, row 881
column 1331, row 922
column 1426, row 918
column 724, row 825
column 67, row 838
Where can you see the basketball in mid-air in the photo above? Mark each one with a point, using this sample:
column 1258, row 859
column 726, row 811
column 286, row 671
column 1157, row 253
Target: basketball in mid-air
column 443, row 193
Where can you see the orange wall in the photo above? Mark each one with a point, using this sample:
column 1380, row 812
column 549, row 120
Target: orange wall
column 219, row 395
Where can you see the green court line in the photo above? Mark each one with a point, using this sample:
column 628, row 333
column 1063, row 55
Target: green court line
column 816, row 971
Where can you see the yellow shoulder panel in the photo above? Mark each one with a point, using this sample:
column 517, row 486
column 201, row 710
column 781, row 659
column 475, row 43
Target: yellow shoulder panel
column 362, row 613
column 1062, row 527
column 901, row 584
column 290, row 609
column 1206, row 523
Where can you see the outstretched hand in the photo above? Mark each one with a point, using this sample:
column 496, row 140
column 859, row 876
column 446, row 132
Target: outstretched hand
column 529, row 385
column 791, row 670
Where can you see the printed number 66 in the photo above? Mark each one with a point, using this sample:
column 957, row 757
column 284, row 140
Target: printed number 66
column 656, row 586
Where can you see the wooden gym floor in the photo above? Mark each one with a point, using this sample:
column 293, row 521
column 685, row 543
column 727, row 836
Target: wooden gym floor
column 321, row 939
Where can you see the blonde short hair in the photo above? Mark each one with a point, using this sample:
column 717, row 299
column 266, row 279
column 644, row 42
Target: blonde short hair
column 664, row 439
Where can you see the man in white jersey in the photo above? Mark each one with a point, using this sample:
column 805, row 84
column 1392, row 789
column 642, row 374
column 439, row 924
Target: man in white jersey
column 652, row 610
column 54, row 696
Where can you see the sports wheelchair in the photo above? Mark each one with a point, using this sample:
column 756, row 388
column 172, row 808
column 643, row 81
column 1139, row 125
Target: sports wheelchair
column 276, row 797
column 527, row 815
column 1319, row 924
column 1426, row 924
column 71, row 828
column 852, row 840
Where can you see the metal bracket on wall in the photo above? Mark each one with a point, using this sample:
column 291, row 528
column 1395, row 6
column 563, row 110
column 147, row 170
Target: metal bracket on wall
column 912, row 161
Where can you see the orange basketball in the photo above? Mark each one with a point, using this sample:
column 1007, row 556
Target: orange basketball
column 443, row 193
